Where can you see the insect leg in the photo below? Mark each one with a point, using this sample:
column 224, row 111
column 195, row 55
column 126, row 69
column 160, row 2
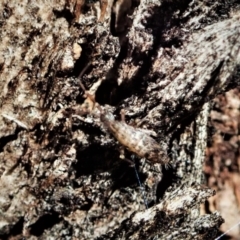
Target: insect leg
column 132, row 162
column 122, row 156
column 140, row 184
column 86, row 93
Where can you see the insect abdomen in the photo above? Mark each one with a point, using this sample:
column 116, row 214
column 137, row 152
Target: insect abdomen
column 137, row 141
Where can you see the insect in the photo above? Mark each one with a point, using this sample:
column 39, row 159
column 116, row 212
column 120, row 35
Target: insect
column 134, row 139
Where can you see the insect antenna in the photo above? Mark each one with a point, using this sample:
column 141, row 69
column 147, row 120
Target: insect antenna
column 167, row 166
column 140, row 184
column 80, row 76
column 86, row 93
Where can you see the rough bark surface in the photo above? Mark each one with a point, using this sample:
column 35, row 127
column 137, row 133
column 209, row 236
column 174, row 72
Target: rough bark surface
column 160, row 61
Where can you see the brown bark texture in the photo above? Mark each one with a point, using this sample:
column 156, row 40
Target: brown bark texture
column 162, row 62
column 223, row 160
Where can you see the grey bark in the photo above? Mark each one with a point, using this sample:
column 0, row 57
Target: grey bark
column 160, row 61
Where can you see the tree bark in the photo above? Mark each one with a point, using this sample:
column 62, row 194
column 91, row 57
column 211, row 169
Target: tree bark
column 160, row 61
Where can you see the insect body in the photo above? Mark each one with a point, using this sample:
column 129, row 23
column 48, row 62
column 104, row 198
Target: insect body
column 134, row 139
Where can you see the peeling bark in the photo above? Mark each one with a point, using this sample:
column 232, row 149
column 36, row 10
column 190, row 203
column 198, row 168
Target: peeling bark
column 160, row 61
